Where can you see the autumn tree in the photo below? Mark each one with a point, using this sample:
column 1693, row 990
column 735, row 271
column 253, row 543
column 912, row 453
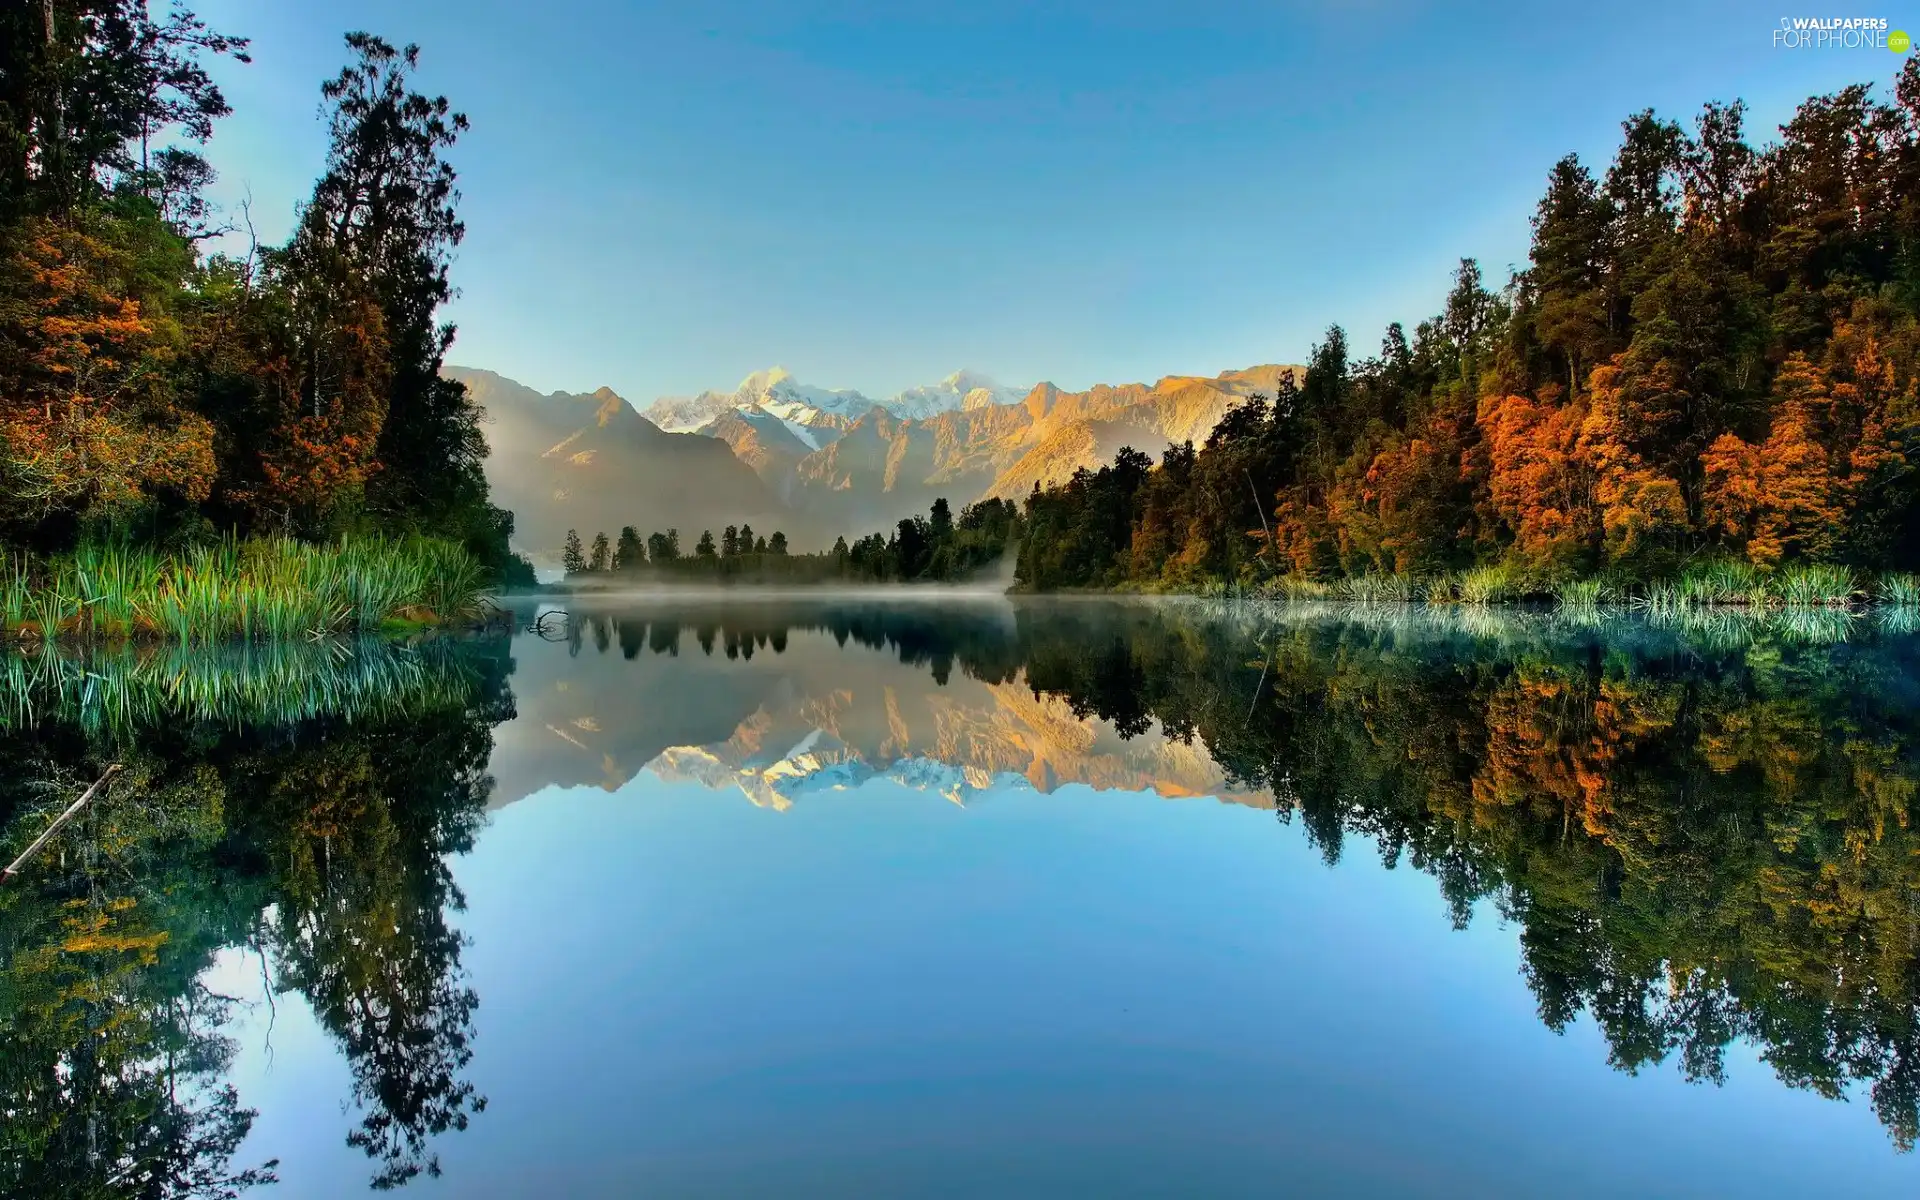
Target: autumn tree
column 90, row 420
column 380, row 229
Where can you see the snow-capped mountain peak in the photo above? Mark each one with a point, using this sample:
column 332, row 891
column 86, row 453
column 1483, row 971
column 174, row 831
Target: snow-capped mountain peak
column 777, row 393
column 774, row 391
column 962, row 389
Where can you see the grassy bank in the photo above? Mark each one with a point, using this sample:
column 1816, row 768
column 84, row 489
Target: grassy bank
column 1714, row 584
column 259, row 588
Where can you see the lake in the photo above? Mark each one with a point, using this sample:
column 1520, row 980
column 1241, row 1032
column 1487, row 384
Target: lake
column 967, row 897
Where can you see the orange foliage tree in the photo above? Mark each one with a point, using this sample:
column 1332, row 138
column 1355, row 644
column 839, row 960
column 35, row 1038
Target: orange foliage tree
column 1538, row 482
column 1642, row 511
column 88, row 420
column 327, row 379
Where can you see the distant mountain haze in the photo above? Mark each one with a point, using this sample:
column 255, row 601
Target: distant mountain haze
column 593, row 463
column 817, row 462
column 779, row 394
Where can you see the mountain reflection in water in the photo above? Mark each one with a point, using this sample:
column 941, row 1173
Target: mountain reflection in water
column 1700, row 837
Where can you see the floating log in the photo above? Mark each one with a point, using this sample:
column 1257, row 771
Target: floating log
column 62, row 819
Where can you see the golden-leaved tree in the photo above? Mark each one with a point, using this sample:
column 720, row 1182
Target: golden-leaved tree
column 89, row 418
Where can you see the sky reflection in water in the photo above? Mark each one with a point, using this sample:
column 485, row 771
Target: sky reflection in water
column 869, row 900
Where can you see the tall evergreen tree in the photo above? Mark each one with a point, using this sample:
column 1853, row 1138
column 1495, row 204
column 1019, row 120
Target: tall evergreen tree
column 383, row 213
column 629, row 552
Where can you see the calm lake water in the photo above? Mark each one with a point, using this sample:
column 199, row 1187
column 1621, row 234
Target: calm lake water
column 838, row 898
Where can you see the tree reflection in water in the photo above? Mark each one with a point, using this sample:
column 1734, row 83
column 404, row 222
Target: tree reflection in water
column 318, row 841
column 1701, row 835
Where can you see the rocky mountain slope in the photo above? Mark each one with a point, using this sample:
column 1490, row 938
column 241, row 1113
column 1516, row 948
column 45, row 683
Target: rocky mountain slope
column 765, row 443
column 883, row 466
column 592, row 463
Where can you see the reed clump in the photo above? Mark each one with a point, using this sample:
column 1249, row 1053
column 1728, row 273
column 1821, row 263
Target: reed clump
column 1719, row 583
column 266, row 588
column 128, row 686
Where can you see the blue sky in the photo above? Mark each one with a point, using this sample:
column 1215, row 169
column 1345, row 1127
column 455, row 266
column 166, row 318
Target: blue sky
column 664, row 197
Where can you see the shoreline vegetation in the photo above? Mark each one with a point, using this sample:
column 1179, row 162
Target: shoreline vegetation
column 201, row 435
column 259, row 588
column 124, row 686
column 936, row 548
column 1715, row 583
column 1702, row 389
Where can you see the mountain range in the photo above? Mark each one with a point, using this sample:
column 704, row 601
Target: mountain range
column 778, row 394
column 815, row 462
column 592, row 463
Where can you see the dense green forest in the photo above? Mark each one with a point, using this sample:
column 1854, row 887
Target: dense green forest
column 1710, row 357
column 933, row 548
column 154, row 390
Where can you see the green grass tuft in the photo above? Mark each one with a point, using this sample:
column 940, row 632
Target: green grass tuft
column 1898, row 591
column 271, row 588
column 1816, row 585
column 1584, row 594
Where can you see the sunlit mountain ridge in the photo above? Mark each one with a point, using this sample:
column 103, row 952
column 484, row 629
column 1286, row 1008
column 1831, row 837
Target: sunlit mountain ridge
column 824, row 462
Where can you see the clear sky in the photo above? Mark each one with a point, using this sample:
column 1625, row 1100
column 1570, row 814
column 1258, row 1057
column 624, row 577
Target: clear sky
column 664, row 197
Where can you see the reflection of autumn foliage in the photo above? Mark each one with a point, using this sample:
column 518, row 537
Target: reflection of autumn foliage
column 87, row 413
column 361, row 928
column 321, row 847
column 114, row 1048
column 1697, row 847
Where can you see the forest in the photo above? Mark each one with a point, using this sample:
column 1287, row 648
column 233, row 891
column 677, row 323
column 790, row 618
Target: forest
column 167, row 381
column 1708, row 362
column 935, row 548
